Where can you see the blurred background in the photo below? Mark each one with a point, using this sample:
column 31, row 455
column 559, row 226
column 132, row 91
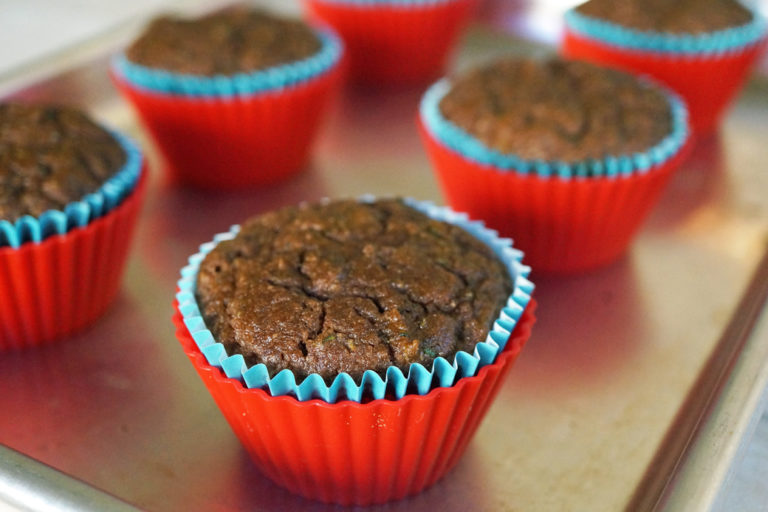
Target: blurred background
column 32, row 31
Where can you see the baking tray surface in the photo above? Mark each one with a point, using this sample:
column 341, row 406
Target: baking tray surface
column 615, row 360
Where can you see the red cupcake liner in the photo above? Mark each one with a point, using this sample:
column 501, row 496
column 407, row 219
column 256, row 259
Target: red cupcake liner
column 229, row 142
column 53, row 288
column 707, row 82
column 562, row 225
column 395, row 44
column 352, row 453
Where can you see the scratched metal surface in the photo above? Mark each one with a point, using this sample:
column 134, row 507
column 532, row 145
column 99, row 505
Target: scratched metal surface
column 594, row 416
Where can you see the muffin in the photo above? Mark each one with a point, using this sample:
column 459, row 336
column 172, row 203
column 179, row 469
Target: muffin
column 565, row 157
column 395, row 42
column 69, row 195
column 704, row 50
column 344, row 319
column 234, row 98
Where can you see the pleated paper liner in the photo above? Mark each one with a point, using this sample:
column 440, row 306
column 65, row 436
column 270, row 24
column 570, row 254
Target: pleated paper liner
column 243, row 130
column 707, row 70
column 464, row 143
column 353, row 453
column 395, row 382
column 55, row 287
column 395, row 42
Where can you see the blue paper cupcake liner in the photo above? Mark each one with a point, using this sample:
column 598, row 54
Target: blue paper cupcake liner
column 239, row 84
column 716, row 42
column 419, row 380
column 473, row 149
column 78, row 213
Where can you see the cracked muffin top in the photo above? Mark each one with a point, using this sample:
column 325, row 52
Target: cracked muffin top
column 346, row 286
column 234, row 40
column 672, row 16
column 51, row 156
column 557, row 110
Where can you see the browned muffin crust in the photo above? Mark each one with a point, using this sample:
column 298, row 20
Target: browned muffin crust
column 51, row 156
column 674, row 16
column 225, row 42
column 552, row 109
column 348, row 287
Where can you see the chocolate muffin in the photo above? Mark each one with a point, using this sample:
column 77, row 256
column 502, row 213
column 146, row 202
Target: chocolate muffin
column 556, row 110
column 347, row 286
column 675, row 17
column 225, row 42
column 51, row 156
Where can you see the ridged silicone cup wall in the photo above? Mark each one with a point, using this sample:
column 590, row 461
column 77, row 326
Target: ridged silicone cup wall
column 60, row 271
column 568, row 217
column 395, row 42
column 246, row 129
column 396, row 442
column 358, row 453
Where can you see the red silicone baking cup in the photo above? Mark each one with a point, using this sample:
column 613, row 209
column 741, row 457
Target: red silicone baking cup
column 562, row 225
column 353, row 453
column 707, row 82
column 394, row 44
column 236, row 141
column 50, row 289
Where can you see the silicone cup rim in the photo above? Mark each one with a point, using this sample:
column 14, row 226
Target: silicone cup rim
column 271, row 79
column 716, row 42
column 522, row 329
column 612, row 166
column 76, row 214
column 442, row 373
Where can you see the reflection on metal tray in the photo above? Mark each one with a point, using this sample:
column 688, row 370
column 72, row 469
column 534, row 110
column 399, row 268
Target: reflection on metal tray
column 633, row 391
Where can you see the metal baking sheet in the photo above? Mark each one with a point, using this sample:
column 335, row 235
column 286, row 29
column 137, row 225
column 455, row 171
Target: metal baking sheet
column 632, row 393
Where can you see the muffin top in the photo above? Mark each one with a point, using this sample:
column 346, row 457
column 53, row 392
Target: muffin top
column 51, row 156
column 557, row 110
column 225, row 42
column 671, row 16
column 346, row 286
